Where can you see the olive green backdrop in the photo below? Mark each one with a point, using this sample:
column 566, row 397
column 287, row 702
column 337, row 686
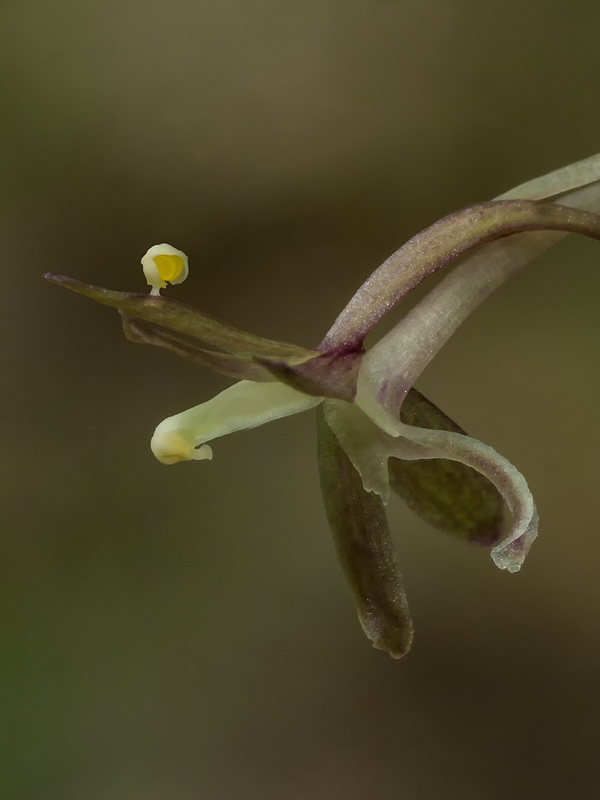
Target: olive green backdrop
column 175, row 633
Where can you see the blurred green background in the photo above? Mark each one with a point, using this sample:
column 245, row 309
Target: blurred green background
column 186, row 632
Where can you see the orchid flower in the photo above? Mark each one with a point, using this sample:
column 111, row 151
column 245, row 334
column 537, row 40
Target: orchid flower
column 375, row 430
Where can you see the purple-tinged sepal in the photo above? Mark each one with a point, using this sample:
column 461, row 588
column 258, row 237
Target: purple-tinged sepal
column 364, row 546
column 331, row 375
column 183, row 319
column 439, row 244
column 239, row 367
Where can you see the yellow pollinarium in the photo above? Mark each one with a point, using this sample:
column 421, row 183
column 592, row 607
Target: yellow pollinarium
column 163, row 265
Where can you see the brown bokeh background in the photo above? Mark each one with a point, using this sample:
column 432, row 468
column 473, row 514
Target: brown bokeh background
column 186, row 632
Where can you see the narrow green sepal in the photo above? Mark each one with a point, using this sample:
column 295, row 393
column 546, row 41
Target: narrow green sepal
column 364, row 546
column 184, row 319
column 329, row 375
column 448, row 494
column 238, row 367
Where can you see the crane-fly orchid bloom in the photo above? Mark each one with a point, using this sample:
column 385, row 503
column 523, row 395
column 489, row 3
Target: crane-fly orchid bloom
column 375, row 431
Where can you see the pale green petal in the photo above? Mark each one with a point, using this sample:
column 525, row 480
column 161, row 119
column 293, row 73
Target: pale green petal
column 553, row 184
column 242, row 406
column 366, row 445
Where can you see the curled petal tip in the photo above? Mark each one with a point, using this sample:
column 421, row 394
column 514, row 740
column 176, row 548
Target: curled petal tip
column 511, row 553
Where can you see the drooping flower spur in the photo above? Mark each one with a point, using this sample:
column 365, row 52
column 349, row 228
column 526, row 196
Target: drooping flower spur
column 375, row 431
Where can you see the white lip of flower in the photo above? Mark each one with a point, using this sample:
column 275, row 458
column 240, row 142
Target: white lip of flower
column 162, row 265
column 242, row 406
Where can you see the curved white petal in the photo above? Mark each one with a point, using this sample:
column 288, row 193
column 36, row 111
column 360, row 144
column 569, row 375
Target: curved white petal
column 244, row 405
column 367, row 445
column 370, row 438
